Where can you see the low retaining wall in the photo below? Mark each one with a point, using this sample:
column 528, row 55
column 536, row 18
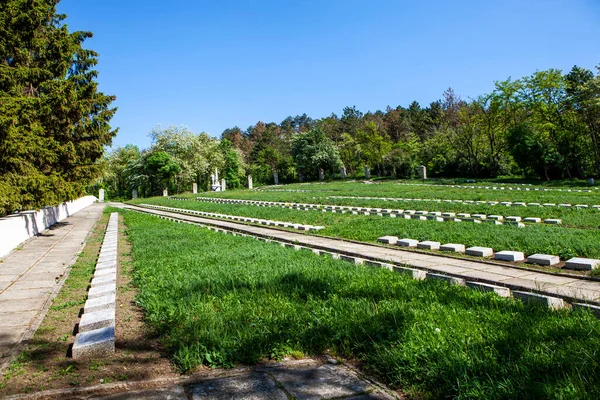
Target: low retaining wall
column 17, row 228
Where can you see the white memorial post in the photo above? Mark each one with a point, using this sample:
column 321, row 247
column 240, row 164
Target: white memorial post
column 165, row 192
column 101, row 195
column 276, row 177
column 367, row 172
column 343, row 172
column 249, row 181
column 423, row 172
column 134, row 194
column 194, row 188
column 321, row 174
column 214, row 181
column 223, row 186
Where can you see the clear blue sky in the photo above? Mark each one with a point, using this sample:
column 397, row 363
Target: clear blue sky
column 215, row 64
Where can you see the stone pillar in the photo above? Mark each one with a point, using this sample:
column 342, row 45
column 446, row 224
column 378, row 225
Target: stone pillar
column 300, row 176
column 250, row 182
column 343, row 172
column 276, row 177
column 101, row 195
column 194, row 188
column 591, row 181
column 134, row 194
column 321, row 174
column 423, row 172
column 165, row 192
column 223, row 185
column 367, row 172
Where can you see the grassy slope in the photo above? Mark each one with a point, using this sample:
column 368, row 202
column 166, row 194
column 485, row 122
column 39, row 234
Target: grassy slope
column 217, row 300
column 539, row 238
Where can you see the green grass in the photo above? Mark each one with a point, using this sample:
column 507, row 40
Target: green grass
column 535, row 238
column 219, row 300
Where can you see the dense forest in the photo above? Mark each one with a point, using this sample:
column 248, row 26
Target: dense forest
column 544, row 126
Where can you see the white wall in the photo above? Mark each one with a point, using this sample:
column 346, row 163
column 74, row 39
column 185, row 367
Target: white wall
column 17, row 228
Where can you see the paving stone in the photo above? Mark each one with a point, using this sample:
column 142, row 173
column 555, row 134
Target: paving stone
column 499, row 290
column 429, row 245
column 97, row 319
column 454, row 247
column 554, row 303
column 100, row 303
column 479, row 251
column 323, row 382
column 543, row 259
column 407, row 242
column 507, row 255
column 582, row 263
column 376, row 395
column 255, row 386
column 388, row 239
column 446, row 278
column 17, row 318
column 93, row 344
column 18, row 305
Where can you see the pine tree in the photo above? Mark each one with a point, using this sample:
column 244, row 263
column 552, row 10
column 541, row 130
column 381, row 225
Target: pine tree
column 54, row 123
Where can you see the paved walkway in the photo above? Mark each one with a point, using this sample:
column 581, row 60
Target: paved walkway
column 31, row 277
column 291, row 380
column 570, row 288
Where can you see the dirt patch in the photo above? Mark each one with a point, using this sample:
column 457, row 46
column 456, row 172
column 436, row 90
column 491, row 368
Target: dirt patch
column 46, row 363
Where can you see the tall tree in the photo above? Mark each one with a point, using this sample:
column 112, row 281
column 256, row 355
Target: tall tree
column 54, row 123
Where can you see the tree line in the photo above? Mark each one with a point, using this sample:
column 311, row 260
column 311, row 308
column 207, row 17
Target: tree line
column 545, row 126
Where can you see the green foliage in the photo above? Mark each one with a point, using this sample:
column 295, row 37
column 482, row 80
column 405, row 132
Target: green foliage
column 312, row 151
column 54, row 123
column 430, row 339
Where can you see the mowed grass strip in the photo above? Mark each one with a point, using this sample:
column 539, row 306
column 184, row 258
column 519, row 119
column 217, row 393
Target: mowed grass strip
column 219, row 300
column 534, row 238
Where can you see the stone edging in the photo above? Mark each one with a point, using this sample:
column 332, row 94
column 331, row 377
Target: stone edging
column 96, row 335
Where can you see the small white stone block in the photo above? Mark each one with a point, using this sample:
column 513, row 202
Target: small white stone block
column 93, row 344
column 448, row 214
column 507, row 255
column 479, row 216
column 428, row 245
column 388, row 239
column 454, row 247
column 104, row 279
column 99, row 303
column 506, row 203
column 535, row 220
column 579, row 206
column 407, row 242
column 534, row 204
column 519, row 204
column 553, row 221
column 463, row 215
column 582, row 263
column 413, row 273
column 102, row 290
column 554, row 303
column 499, row 290
column 446, row 278
column 564, row 205
column 543, row 259
column 513, row 219
column 480, row 251
column 496, row 217
column 97, row 319
column 549, row 205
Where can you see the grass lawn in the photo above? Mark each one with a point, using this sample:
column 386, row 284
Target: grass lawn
column 219, row 300
column 535, row 238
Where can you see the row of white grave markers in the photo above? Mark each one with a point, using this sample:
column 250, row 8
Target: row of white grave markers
column 524, row 296
column 526, row 188
column 576, row 263
column 96, row 335
column 301, row 227
column 393, row 213
column 481, row 202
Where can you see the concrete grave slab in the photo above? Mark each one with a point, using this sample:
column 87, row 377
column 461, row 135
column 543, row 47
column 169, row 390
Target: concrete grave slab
column 96, row 343
column 407, row 242
column 499, row 290
column 554, row 303
column 429, row 245
column 543, row 259
column 507, row 255
column 454, row 247
column 582, row 263
column 479, row 251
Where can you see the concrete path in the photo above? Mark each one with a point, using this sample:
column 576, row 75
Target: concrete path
column 32, row 276
column 290, row 380
column 570, row 288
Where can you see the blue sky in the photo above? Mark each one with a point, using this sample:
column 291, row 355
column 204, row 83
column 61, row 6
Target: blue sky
column 216, row 64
